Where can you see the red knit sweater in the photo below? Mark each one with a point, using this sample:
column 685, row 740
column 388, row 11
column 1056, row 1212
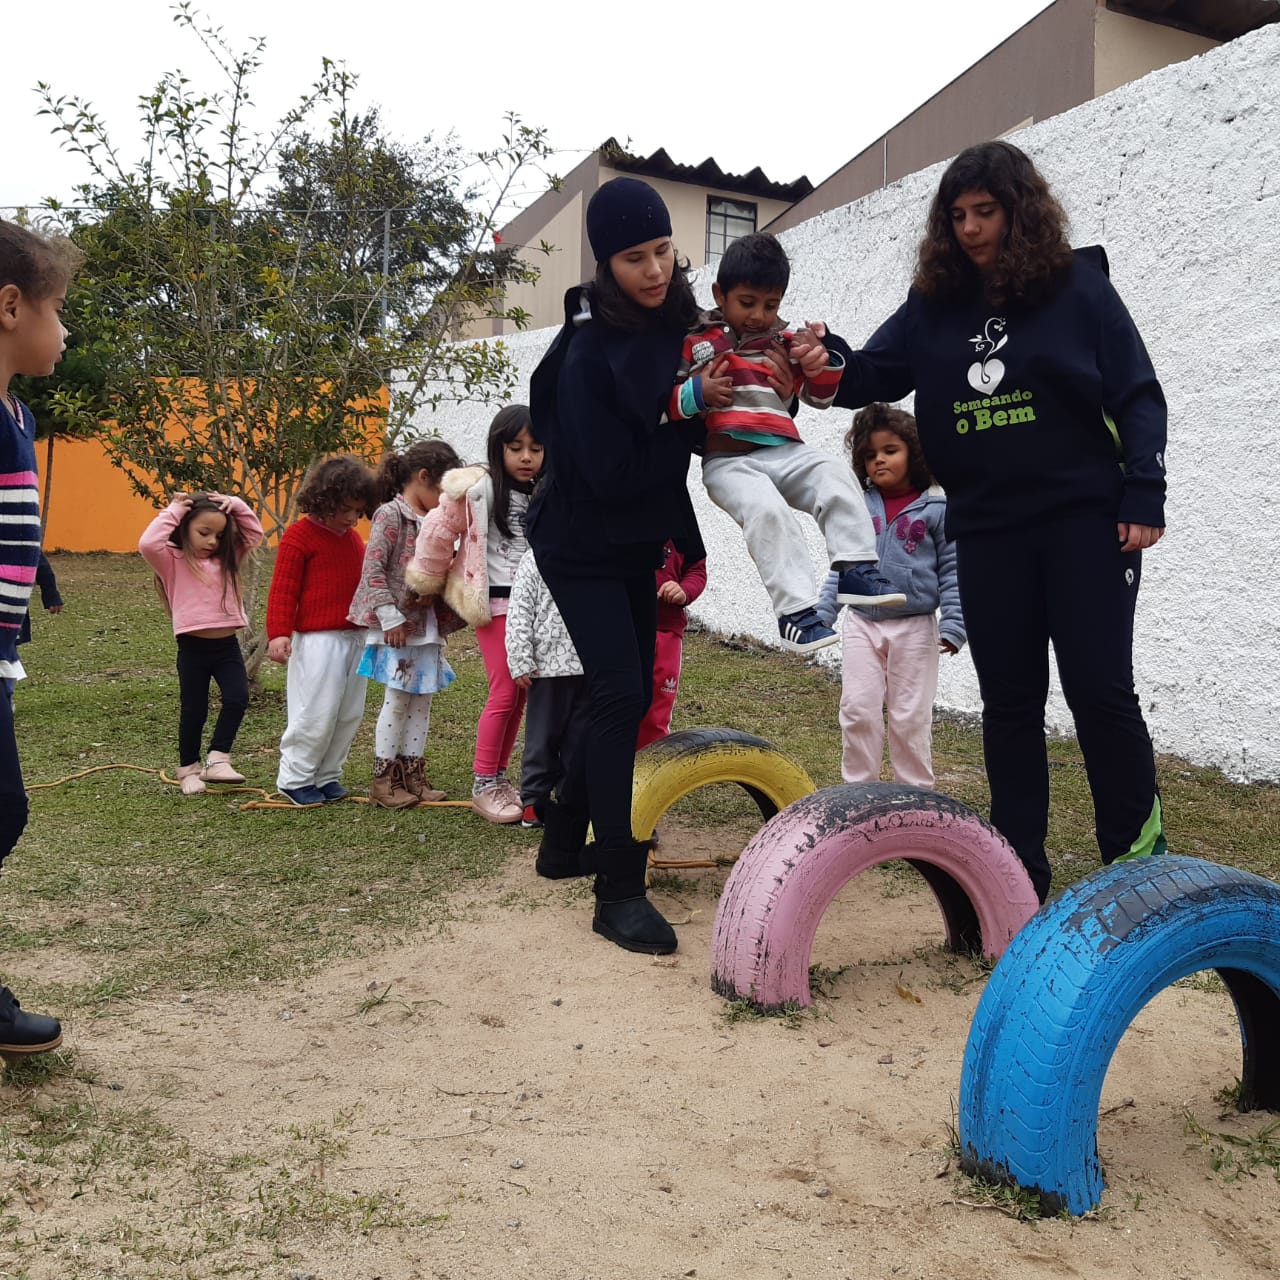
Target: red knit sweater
column 317, row 572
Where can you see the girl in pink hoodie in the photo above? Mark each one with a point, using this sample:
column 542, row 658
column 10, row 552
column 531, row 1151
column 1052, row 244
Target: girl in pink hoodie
column 196, row 545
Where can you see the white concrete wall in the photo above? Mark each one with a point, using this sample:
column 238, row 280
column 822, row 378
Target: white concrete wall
column 1178, row 175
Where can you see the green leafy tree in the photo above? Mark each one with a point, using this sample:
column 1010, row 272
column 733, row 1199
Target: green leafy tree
column 237, row 284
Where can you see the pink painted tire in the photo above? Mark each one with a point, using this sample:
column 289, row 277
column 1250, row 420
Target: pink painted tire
column 790, row 873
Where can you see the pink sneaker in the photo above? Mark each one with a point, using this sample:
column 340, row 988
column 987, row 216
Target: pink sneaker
column 189, row 779
column 217, row 768
column 494, row 805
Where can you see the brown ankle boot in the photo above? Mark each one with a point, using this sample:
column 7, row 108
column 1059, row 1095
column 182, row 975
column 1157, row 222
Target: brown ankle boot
column 413, row 769
column 388, row 789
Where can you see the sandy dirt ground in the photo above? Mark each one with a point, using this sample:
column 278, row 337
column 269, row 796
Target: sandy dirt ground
column 526, row 1100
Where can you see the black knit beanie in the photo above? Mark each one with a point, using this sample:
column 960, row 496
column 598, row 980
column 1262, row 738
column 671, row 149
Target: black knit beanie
column 623, row 212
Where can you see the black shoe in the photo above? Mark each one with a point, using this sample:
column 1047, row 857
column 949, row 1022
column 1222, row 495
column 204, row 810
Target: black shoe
column 635, row 924
column 22, row 1032
column 305, row 797
column 624, row 914
column 564, row 832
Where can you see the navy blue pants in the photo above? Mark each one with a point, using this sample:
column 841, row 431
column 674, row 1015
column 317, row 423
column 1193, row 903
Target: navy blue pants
column 612, row 621
column 1064, row 582
column 199, row 661
column 13, row 795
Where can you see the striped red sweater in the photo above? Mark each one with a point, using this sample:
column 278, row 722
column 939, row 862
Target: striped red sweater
column 317, row 572
column 756, row 408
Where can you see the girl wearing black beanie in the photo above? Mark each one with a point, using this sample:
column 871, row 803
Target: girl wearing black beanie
column 613, row 490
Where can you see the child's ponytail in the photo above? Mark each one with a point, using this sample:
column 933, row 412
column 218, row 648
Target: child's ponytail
column 435, row 457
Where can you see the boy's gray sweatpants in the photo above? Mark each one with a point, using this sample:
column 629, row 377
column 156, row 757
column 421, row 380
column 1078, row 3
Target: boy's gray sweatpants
column 758, row 488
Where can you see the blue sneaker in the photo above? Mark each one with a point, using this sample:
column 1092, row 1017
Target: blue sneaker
column 303, row 797
column 804, row 632
column 864, row 584
column 334, row 791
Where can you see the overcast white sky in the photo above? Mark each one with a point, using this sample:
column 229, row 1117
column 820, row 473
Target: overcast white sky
column 748, row 83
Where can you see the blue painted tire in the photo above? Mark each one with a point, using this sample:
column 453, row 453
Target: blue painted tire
column 1067, row 989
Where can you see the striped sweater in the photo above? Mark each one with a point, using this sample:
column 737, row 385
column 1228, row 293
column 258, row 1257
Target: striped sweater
column 19, row 531
column 756, row 411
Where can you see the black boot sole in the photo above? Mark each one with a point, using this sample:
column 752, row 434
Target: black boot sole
column 558, row 870
column 633, row 944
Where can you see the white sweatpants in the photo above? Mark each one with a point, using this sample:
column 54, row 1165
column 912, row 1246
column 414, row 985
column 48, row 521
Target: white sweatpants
column 325, row 701
column 757, row 489
column 893, row 663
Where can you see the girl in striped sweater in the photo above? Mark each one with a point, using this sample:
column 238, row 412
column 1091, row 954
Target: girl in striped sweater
column 34, row 274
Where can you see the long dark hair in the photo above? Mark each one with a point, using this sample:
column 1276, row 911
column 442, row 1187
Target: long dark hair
column 1035, row 255
column 435, row 457
column 506, row 425
column 679, row 311
column 227, row 553
column 886, row 417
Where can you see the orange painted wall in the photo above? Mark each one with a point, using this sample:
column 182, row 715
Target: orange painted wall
column 92, row 506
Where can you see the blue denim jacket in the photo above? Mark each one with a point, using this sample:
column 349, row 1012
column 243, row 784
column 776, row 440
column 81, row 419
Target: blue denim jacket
column 915, row 556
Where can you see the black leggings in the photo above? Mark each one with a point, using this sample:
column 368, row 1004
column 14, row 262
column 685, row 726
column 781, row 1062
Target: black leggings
column 612, row 621
column 1064, row 581
column 199, row 661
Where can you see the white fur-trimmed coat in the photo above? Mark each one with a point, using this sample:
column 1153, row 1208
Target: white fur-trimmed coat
column 449, row 558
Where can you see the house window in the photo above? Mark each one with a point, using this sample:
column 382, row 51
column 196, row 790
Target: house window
column 726, row 221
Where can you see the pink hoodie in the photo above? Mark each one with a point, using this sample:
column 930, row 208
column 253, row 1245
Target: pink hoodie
column 195, row 596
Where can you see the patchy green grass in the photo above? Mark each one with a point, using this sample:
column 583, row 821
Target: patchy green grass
column 138, row 889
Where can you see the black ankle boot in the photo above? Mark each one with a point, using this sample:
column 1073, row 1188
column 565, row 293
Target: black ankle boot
column 624, row 914
column 564, row 832
column 23, row 1032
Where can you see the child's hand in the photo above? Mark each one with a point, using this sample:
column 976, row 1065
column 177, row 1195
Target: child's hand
column 808, row 349
column 945, row 646
column 717, row 385
column 280, row 649
column 54, row 608
column 183, row 499
column 806, row 338
column 522, row 682
column 671, row 593
column 781, row 377
column 221, row 500
column 396, row 636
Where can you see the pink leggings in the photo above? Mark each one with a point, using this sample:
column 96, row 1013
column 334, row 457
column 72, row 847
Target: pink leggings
column 500, row 719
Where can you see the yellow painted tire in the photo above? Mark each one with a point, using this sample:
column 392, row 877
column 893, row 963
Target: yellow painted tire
column 672, row 767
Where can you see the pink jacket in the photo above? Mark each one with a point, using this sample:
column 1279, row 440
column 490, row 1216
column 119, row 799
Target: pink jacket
column 450, row 554
column 195, row 596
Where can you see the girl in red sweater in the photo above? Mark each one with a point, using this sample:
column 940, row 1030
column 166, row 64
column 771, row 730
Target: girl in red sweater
column 317, row 572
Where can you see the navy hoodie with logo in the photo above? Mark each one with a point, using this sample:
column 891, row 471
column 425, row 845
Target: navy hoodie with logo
column 1026, row 412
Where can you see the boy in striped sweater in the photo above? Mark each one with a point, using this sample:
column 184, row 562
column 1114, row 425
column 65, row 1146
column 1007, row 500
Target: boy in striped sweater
column 34, row 275
column 756, row 467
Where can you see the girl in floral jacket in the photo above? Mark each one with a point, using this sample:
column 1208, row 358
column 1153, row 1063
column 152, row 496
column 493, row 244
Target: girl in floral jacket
column 891, row 656
column 404, row 647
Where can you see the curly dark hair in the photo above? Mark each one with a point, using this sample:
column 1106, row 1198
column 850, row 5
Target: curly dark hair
column 1035, row 254
column 335, row 483
column 887, row 417
column 679, row 311
column 38, row 265
column 433, row 456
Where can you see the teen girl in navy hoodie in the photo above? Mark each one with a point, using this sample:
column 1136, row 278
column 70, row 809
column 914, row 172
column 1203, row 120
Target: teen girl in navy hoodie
column 1042, row 418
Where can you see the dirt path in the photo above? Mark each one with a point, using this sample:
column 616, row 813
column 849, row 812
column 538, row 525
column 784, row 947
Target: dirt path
column 527, row 1100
